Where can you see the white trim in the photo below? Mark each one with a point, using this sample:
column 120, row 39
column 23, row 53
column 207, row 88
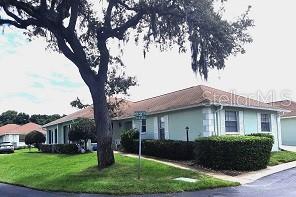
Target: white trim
column 166, row 127
column 288, row 117
column 232, row 133
column 279, row 130
column 241, row 122
column 259, row 122
column 208, row 121
column 155, row 128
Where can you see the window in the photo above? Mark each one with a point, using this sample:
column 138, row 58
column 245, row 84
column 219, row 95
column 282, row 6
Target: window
column 55, row 136
column 161, row 128
column 143, row 125
column 265, row 122
column 22, row 138
column 231, row 124
column 49, row 137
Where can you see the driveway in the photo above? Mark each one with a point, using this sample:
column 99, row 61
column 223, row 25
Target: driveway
column 279, row 184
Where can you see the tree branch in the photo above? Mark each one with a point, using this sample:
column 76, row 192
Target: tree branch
column 119, row 31
column 74, row 15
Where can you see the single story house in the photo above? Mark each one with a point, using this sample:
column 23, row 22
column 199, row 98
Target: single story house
column 204, row 110
column 57, row 131
column 15, row 134
column 288, row 121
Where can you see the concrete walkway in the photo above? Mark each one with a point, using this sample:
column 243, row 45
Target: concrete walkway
column 244, row 178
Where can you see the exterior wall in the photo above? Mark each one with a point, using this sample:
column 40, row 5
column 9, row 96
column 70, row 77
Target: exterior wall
column 60, row 133
column 175, row 124
column 119, row 126
column 150, row 127
column 288, row 131
column 12, row 138
column 192, row 118
column 249, row 121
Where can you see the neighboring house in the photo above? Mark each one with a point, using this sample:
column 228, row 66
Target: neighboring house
column 206, row 111
column 16, row 133
column 288, row 121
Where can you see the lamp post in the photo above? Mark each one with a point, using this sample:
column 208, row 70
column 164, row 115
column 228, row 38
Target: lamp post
column 187, row 129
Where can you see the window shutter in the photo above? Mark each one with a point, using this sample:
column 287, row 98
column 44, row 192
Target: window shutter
column 166, row 126
column 259, row 122
column 273, row 125
column 241, row 122
column 155, row 132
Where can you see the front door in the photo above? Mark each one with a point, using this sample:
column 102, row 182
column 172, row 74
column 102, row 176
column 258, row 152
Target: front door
column 161, row 128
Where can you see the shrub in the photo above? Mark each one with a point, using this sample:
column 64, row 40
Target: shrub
column 129, row 140
column 35, row 138
column 263, row 135
column 82, row 129
column 169, row 149
column 60, row 148
column 233, row 152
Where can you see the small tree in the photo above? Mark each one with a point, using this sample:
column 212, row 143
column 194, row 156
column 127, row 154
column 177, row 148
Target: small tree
column 82, row 130
column 35, row 138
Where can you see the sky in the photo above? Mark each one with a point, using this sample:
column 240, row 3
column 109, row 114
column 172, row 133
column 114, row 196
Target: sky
column 34, row 80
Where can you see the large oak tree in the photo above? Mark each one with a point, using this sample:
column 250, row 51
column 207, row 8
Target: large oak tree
column 81, row 31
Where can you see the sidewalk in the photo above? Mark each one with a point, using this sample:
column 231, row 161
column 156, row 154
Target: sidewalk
column 244, row 178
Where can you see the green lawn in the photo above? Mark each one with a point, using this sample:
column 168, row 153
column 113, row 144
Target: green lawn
column 78, row 173
column 281, row 157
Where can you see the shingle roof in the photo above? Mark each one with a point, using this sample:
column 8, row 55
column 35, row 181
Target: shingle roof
column 87, row 112
column 27, row 128
column 186, row 98
column 288, row 105
column 193, row 96
column 8, row 128
column 20, row 129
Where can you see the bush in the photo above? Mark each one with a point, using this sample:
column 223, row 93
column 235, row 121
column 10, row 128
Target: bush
column 60, row 148
column 129, row 140
column 169, row 149
column 243, row 153
column 262, row 135
column 35, row 138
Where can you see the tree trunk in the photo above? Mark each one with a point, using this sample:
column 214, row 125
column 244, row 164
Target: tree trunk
column 103, row 128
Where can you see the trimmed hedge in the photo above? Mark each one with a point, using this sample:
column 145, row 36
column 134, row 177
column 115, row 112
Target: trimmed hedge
column 60, row 148
column 169, row 149
column 244, row 153
column 262, row 135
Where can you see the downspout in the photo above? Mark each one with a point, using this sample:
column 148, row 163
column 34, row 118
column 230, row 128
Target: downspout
column 278, row 127
column 57, row 135
column 216, row 118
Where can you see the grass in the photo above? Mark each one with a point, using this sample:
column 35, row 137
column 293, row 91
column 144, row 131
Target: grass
column 281, row 157
column 78, row 173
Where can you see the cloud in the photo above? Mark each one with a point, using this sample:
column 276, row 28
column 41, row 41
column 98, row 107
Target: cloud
column 37, row 81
